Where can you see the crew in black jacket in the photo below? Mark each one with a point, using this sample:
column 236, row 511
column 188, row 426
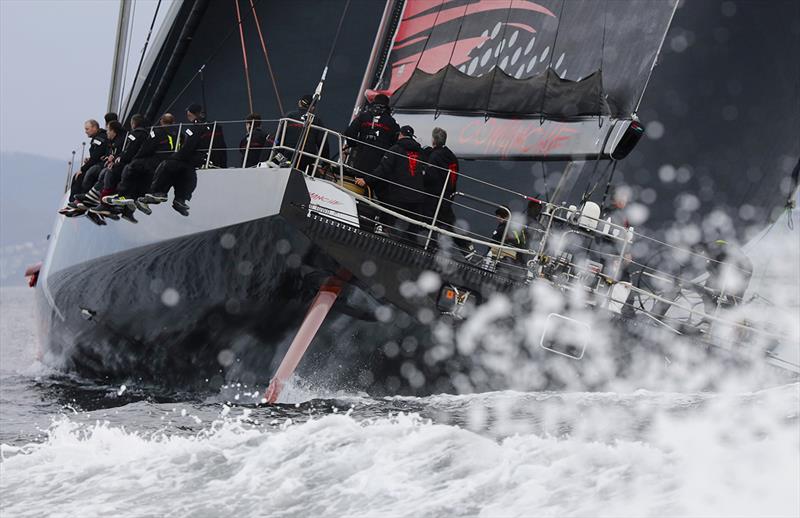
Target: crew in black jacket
column 259, row 141
column 98, row 149
column 372, row 132
column 180, row 169
column 398, row 180
column 442, row 175
column 294, row 130
column 106, row 185
column 137, row 176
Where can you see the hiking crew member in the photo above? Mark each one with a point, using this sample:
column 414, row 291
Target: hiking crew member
column 106, row 185
column 398, row 179
column 116, row 138
column 180, row 169
column 294, row 131
column 442, row 174
column 372, row 132
column 98, row 148
column 137, row 176
column 259, row 141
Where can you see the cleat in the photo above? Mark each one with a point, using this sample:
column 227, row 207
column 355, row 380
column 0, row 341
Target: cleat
column 181, row 206
column 380, row 231
column 154, row 198
column 96, row 219
column 144, row 207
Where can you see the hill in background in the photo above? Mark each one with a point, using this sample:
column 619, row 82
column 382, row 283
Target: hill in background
column 31, row 188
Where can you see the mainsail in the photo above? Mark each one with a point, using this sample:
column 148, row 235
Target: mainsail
column 505, row 61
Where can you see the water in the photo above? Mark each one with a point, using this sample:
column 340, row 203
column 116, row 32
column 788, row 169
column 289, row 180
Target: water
column 75, row 448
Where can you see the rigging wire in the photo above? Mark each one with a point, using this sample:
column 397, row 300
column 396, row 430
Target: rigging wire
column 211, row 56
column 266, row 58
column 542, row 116
column 244, row 56
column 602, row 55
column 544, row 176
column 141, row 58
column 497, row 60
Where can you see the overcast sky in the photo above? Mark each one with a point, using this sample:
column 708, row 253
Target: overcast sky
column 55, row 69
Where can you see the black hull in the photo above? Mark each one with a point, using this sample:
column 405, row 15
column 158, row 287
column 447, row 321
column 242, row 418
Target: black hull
column 218, row 297
column 209, row 307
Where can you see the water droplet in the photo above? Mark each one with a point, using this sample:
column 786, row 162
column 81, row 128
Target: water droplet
column 170, row 297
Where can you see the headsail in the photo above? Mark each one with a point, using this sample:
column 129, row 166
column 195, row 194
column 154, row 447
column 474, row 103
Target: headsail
column 559, row 60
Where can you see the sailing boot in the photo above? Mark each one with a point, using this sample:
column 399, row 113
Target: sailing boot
column 105, row 210
column 154, row 198
column 97, row 219
column 127, row 214
column 117, row 200
column 181, row 206
column 143, row 207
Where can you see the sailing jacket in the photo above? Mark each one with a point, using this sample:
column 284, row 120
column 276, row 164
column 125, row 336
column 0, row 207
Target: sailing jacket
column 259, row 141
column 98, row 148
column 400, row 165
column 195, row 140
column 157, row 144
column 444, row 168
column 295, row 129
column 379, row 130
column 133, row 143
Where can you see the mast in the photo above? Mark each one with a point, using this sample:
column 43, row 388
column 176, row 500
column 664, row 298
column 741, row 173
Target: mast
column 118, row 67
column 381, row 48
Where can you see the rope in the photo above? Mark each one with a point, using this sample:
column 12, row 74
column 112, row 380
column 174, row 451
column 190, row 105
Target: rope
column 141, row 58
column 244, row 56
column 602, row 55
column 206, row 62
column 550, row 62
column 544, row 176
column 266, row 58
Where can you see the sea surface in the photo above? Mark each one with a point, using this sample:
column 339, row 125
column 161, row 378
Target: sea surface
column 74, row 448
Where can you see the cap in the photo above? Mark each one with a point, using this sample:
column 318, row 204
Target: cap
column 408, row 131
column 381, row 99
column 195, row 108
column 305, row 101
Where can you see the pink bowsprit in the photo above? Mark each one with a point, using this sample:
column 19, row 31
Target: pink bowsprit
column 319, row 309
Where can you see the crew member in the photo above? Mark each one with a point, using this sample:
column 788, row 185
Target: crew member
column 98, row 148
column 514, row 236
column 441, row 174
column 106, row 185
column 398, row 180
column 259, row 141
column 137, row 176
column 180, row 169
column 294, row 130
column 371, row 133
